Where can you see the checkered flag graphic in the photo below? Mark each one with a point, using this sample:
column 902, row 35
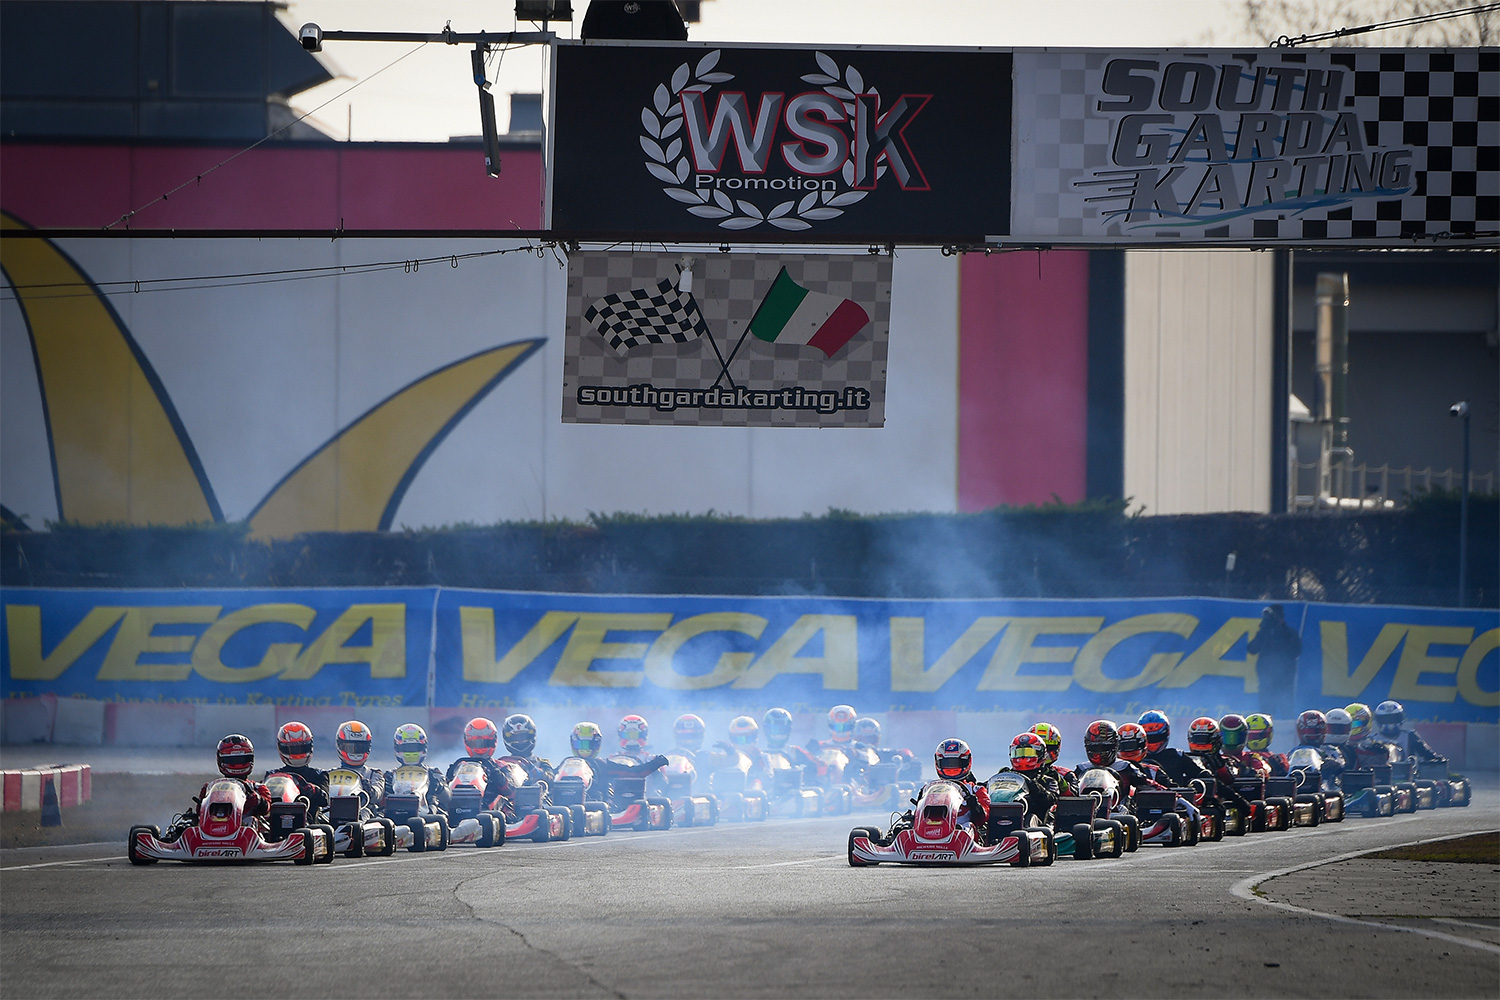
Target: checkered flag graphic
column 660, row 314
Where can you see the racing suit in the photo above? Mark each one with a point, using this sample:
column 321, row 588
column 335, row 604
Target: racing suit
column 311, row 783
column 536, row 768
column 1332, row 763
column 495, row 782
column 1135, row 777
column 1066, row 781
column 1411, row 744
column 1225, row 770
column 608, row 769
column 1276, row 761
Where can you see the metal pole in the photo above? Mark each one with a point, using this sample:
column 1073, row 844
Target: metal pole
column 1463, row 522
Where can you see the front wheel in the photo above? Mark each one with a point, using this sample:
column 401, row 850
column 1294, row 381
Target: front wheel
column 1132, row 831
column 131, row 851
column 418, row 827
column 1083, row 841
column 1051, row 849
column 868, row 834
column 1119, row 838
column 387, row 837
column 327, row 858
column 445, row 832
column 309, row 852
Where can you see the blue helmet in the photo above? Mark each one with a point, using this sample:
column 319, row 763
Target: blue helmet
column 1158, row 729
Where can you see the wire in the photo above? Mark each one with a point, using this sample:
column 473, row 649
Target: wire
column 132, row 286
column 270, row 135
column 1323, row 36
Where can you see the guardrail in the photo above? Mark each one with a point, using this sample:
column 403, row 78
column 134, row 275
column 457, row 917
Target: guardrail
column 1377, row 486
column 22, row 789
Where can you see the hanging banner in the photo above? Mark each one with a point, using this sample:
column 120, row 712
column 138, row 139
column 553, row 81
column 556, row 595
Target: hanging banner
column 663, row 141
column 727, row 340
column 1247, row 147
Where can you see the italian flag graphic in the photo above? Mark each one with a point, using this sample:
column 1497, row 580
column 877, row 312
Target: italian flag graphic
column 790, row 314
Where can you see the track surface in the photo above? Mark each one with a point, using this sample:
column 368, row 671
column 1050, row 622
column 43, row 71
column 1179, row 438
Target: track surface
column 765, row 910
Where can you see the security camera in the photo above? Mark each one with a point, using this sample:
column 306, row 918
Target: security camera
column 311, row 37
column 1459, row 409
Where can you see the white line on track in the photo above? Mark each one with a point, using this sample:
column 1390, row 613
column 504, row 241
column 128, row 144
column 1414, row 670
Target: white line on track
column 784, row 864
column 55, row 864
column 1245, row 889
column 1463, row 923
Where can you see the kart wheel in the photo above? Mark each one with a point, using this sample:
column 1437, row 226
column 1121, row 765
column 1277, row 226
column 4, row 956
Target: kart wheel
column 1242, row 823
column 1190, row 830
column 543, row 828
column 567, row 822
column 860, row 831
column 1258, row 816
column 1051, row 850
column 666, row 810
column 309, row 852
column 1133, row 832
column 1468, row 792
column 1023, row 854
column 387, row 838
column 1216, row 824
column 1083, row 841
column 1174, row 824
column 1286, row 813
column 486, row 830
column 1317, row 807
column 444, row 832
column 327, row 858
column 1119, row 849
column 130, row 849
column 356, row 841
column 580, row 822
column 418, row 827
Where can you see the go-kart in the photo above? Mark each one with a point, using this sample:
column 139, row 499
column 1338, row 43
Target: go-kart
column 1363, row 797
column 470, row 814
column 740, row 798
column 1102, row 784
column 405, row 799
column 1450, row 789
column 1424, row 793
column 1306, row 770
column 356, row 828
column 784, row 784
column 1391, row 771
column 623, row 793
column 1267, row 811
column 1161, row 823
column 675, row 782
column 570, row 790
column 932, row 835
column 1083, row 832
column 873, row 784
column 219, row 831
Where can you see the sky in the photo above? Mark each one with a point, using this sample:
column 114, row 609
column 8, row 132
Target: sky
column 429, row 95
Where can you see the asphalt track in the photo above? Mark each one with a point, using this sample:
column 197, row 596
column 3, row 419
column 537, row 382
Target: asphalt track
column 758, row 910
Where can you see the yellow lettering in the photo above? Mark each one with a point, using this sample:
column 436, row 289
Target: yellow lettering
column 1337, row 681
column 1468, row 670
column 386, row 653
column 122, row 662
column 477, row 630
column 587, row 644
column 661, row 659
column 23, row 625
column 1017, row 647
column 1088, row 668
column 279, row 656
column 1209, row 658
column 1415, row 662
column 839, row 663
column 908, row 652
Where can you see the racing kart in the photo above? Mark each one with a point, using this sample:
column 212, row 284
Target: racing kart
column 472, row 819
column 356, row 828
column 1391, row 771
column 741, row 800
column 1363, row 797
column 932, row 835
column 874, row 784
column 622, row 795
column 675, row 782
column 219, row 831
column 570, row 790
column 1103, row 785
column 784, row 784
column 1306, row 771
column 405, row 799
column 1267, row 810
column 1449, row 789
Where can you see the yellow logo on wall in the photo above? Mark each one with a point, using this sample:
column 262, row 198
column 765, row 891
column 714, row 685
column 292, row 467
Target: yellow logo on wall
column 121, row 455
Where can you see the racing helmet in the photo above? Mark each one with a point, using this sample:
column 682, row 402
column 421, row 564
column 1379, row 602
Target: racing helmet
column 1258, row 731
column 841, row 723
column 1361, row 722
column 1027, row 752
column 1101, row 743
column 480, row 737
column 1338, row 727
column 1389, row 715
column 235, row 756
column 411, row 744
column 519, row 733
column 743, row 730
column 633, row 733
column 1158, row 729
column 1232, row 733
column 353, row 741
column 586, row 739
column 778, row 726
column 689, row 731
column 1312, row 726
column 1203, row 736
column 1132, row 742
column 1051, row 737
column 294, row 741
column 954, row 759
column 867, row 731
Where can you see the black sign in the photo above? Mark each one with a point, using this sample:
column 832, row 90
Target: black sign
column 831, row 145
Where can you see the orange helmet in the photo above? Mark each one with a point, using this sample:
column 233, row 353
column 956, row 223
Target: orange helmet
column 1027, row 752
column 1132, row 742
column 481, row 737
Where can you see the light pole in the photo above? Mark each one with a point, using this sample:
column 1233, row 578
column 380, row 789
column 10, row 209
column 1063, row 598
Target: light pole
column 1461, row 410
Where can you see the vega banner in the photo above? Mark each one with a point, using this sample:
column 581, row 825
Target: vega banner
column 741, row 340
column 675, row 141
column 1246, row 147
column 472, row 649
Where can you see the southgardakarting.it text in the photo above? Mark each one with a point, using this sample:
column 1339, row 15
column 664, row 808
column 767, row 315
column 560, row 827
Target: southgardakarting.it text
column 739, row 398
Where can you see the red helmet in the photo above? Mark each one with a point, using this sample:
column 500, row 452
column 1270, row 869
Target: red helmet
column 841, row 723
column 1312, row 726
column 1027, row 752
column 1132, row 742
column 236, row 756
column 294, row 741
column 1203, row 736
column 953, row 759
column 633, row 733
column 481, row 737
column 1101, row 742
column 353, row 741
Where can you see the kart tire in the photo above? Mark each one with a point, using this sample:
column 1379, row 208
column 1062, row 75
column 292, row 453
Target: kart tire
column 1023, row 855
column 1463, row 801
column 1191, row 830
column 327, row 858
column 861, row 831
column 1240, row 828
column 309, row 852
column 1133, row 831
column 567, row 821
column 1174, row 824
column 445, row 832
column 1120, row 835
column 1286, row 813
column 1083, row 841
column 418, row 827
column 130, row 849
column 1258, row 819
column 1051, row 850
column 486, row 836
column 543, row 828
column 580, row 821
column 666, row 807
column 1217, row 825
column 1317, row 807
column 387, row 838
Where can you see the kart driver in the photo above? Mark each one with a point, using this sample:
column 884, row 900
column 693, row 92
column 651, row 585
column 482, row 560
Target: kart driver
column 1052, row 739
column 411, row 751
column 1206, row 744
column 235, row 757
column 1312, row 729
column 353, row 741
column 1131, row 766
column 634, row 733
column 1389, row 719
column 294, row 741
column 587, row 738
column 688, row 734
column 1179, row 769
column 955, row 763
column 1259, row 731
column 1027, row 753
column 519, row 733
column 867, row 732
column 840, row 730
column 480, row 738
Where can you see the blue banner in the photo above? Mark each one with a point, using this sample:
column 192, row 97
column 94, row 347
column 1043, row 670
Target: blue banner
column 470, row 648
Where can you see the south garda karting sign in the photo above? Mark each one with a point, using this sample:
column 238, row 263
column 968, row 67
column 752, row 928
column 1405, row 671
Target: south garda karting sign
column 1245, row 147
column 682, row 140
column 727, row 340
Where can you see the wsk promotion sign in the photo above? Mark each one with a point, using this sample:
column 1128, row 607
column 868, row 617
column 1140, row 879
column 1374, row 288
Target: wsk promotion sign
column 727, row 340
column 680, row 141
column 1244, row 147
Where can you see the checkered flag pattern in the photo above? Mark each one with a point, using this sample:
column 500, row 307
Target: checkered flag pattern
column 660, row 314
column 1424, row 162
column 727, row 288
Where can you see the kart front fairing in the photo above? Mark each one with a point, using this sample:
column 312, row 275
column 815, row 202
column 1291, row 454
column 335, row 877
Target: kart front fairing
column 222, row 833
column 936, row 837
